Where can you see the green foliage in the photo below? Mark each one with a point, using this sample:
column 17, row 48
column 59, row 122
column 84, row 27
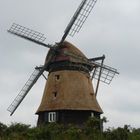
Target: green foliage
column 135, row 134
column 3, row 129
column 72, row 132
column 17, row 131
column 53, row 131
column 92, row 128
column 116, row 134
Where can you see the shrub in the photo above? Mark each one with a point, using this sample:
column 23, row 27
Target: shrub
column 53, row 131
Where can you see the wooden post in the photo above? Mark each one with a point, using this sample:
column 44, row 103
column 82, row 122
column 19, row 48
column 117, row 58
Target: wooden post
column 98, row 82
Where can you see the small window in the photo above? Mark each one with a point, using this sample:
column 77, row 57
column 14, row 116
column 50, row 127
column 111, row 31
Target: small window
column 54, row 94
column 52, row 117
column 91, row 94
column 57, row 77
column 92, row 114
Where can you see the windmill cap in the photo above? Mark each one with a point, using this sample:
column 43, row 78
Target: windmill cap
column 68, row 52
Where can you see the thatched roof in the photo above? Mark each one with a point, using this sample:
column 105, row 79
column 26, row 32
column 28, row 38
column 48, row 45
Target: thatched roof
column 68, row 89
column 73, row 91
column 69, row 52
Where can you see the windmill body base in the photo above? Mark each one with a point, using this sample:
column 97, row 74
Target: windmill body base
column 65, row 117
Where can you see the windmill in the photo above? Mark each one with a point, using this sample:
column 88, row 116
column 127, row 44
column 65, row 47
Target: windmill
column 68, row 92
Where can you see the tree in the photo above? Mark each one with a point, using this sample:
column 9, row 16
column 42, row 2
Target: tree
column 3, row 129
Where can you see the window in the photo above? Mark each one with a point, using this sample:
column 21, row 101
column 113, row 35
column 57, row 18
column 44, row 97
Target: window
column 92, row 114
column 91, row 94
column 57, row 77
column 55, row 94
column 52, row 117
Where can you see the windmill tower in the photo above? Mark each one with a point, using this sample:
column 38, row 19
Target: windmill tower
column 68, row 92
column 69, row 96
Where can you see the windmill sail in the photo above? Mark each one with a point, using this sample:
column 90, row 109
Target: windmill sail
column 28, row 34
column 79, row 18
column 26, row 88
column 107, row 73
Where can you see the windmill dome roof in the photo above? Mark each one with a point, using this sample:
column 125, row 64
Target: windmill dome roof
column 72, row 49
column 67, row 52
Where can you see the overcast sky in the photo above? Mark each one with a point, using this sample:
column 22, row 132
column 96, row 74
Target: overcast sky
column 113, row 29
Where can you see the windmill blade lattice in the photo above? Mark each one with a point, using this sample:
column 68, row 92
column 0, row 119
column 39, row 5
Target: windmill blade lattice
column 28, row 34
column 26, row 88
column 82, row 16
column 79, row 18
column 107, row 73
column 21, row 30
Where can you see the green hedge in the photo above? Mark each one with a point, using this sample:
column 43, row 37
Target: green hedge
column 54, row 131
